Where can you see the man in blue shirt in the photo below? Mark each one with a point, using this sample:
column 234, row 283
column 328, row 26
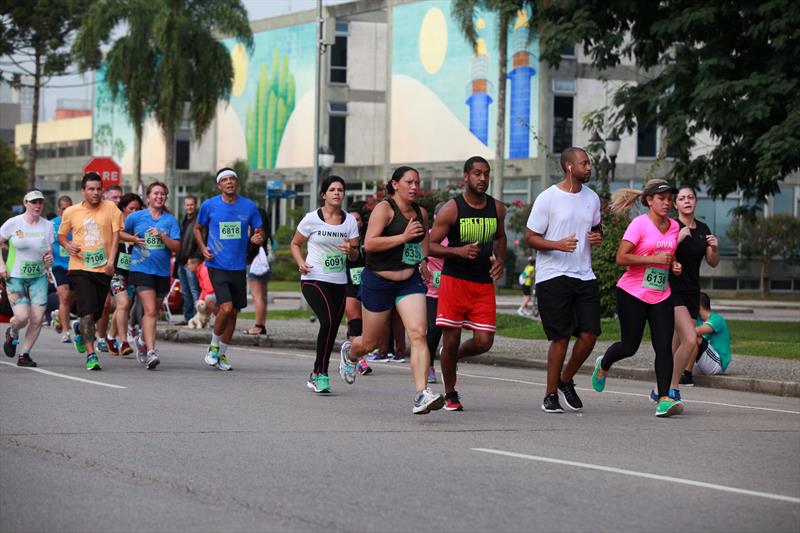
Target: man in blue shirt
column 228, row 219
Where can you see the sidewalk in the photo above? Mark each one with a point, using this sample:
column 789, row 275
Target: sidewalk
column 753, row 374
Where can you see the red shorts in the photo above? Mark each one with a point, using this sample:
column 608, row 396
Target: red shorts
column 466, row 304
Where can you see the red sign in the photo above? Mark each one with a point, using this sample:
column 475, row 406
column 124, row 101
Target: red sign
column 108, row 169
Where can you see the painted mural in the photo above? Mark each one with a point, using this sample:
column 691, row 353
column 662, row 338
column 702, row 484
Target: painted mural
column 112, row 134
column 443, row 91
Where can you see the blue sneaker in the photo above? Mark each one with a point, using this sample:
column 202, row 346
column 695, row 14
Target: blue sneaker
column 102, row 346
column 675, row 394
column 598, row 379
column 92, row 362
column 77, row 339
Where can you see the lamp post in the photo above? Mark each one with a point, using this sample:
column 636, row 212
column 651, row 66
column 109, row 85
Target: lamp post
column 325, row 161
column 612, row 145
column 608, row 163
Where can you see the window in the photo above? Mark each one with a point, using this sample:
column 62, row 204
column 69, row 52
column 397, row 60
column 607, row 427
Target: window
column 749, row 284
column 338, row 55
column 646, row 139
column 780, row 284
column 724, row 284
column 337, row 130
column 568, row 50
column 783, row 202
column 562, row 123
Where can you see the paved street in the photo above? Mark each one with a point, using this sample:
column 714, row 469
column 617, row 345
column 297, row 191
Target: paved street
column 189, row 448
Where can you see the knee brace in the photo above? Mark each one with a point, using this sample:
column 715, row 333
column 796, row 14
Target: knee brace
column 354, row 327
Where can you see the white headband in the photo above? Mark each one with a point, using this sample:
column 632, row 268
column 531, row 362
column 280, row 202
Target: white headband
column 225, row 173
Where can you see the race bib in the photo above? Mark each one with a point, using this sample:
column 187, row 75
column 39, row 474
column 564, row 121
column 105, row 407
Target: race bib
column 333, row 262
column 230, row 230
column 412, row 253
column 437, row 278
column 355, row 275
column 95, row 258
column 124, row 261
column 153, row 241
column 31, row 269
column 655, row 278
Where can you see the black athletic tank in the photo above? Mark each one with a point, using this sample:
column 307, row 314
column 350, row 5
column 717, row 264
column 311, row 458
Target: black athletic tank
column 405, row 255
column 472, row 225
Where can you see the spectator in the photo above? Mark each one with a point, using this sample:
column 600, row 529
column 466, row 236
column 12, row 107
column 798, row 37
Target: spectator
column 197, row 266
column 188, row 281
column 714, row 339
column 526, row 278
column 258, row 283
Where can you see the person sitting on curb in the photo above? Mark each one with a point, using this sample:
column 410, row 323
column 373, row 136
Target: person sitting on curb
column 714, row 341
column 197, row 266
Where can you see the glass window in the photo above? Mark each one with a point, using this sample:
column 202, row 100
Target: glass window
column 749, row 284
column 716, row 213
column 337, row 133
column 724, row 284
column 783, row 202
column 568, row 50
column 646, row 139
column 780, row 284
column 338, row 70
column 562, row 123
column 182, row 154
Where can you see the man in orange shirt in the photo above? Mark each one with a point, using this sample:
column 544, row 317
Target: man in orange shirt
column 95, row 225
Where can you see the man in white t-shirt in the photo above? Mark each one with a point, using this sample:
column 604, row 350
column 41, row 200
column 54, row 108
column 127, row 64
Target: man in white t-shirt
column 563, row 226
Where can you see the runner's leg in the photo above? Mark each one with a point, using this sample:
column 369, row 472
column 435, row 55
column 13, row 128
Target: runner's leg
column 151, row 307
column 580, row 352
column 451, row 338
column 64, row 303
column 632, row 314
column 34, row 327
column 687, row 343
column 661, row 317
column 374, row 328
column 411, row 309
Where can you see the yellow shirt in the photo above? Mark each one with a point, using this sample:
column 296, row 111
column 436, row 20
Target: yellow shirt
column 92, row 230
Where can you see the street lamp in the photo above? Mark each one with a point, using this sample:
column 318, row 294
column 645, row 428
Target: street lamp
column 325, row 161
column 612, row 150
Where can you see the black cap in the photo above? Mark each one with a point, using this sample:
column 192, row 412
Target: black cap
column 658, row 186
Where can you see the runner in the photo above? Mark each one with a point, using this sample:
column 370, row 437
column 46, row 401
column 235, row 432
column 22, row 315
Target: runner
column 30, row 240
column 332, row 238
column 643, row 294
column 695, row 243
column 59, row 270
column 352, row 306
column 121, row 290
column 95, row 225
column 563, row 226
column 228, row 219
column 434, row 334
column 259, row 283
column 396, row 246
column 112, row 193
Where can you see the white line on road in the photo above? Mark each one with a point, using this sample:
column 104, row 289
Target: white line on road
column 73, row 378
column 634, row 473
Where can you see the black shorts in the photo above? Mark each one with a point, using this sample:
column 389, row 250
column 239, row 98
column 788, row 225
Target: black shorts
column 351, row 291
column 568, row 306
column 689, row 301
column 229, row 286
column 91, row 290
column 149, row 282
column 526, row 290
column 61, row 276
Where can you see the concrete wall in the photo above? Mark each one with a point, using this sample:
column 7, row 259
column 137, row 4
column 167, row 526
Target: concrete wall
column 68, row 129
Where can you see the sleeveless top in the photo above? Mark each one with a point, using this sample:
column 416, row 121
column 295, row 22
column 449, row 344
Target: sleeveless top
column 402, row 256
column 472, row 225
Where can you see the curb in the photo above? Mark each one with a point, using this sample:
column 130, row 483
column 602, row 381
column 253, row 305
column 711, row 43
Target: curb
column 742, row 384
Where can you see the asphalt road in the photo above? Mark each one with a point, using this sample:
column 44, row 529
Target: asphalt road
column 190, row 448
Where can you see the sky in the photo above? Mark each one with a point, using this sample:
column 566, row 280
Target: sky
column 79, row 86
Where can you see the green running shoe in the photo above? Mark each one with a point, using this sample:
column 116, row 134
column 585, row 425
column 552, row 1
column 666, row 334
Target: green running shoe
column 77, row 339
column 92, row 362
column 323, row 385
column 598, row 380
column 668, row 407
column 212, row 355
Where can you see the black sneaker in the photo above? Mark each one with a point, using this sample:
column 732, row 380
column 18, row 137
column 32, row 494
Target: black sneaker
column 10, row 344
column 567, row 394
column 551, row 405
column 25, row 360
column 687, row 379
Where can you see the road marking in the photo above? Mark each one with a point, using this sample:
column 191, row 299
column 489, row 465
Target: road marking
column 634, row 473
column 73, row 378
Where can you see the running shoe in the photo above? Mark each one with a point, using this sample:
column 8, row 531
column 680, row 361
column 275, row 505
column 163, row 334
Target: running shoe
column 212, row 356
column 551, row 405
column 112, row 346
column 65, row 338
column 521, row 312
column 675, row 394
column 668, row 407
column 311, row 382
column 141, row 345
column 395, row 358
column 426, row 401
column 452, row 402
column 10, row 344
column 92, row 362
column 102, row 346
column 55, row 321
column 347, row 368
column 687, row 379
column 598, row 379
column 319, row 383
column 431, row 374
column 125, row 349
column 377, row 357
column 25, row 360
column 567, row 395
column 363, row 367
column 152, row 360
column 222, row 362
column 77, row 339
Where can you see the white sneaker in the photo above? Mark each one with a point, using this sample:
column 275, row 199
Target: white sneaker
column 222, row 362
column 152, row 359
column 141, row 350
column 211, row 357
column 347, row 368
column 426, row 401
column 521, row 312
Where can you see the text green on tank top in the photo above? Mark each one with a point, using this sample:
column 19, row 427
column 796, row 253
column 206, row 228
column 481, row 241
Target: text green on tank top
column 477, row 229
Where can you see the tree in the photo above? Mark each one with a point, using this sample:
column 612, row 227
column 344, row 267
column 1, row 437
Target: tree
column 766, row 238
column 33, row 37
column 466, row 12
column 731, row 69
column 12, row 181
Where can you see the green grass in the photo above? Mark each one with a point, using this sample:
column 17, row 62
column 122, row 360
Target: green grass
column 748, row 337
column 288, row 314
column 284, row 286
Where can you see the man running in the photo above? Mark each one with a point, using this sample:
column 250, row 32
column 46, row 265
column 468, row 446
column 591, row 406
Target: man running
column 95, row 225
column 59, row 270
column 563, row 226
column 474, row 224
column 228, row 218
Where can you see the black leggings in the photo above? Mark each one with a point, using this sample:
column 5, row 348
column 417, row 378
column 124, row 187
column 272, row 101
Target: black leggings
column 327, row 301
column 633, row 313
column 434, row 332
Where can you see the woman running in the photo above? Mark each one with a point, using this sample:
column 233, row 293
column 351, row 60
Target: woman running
column 59, row 270
column 695, row 243
column 352, row 307
column 156, row 235
column 396, row 245
column 434, row 333
column 128, row 204
column 332, row 238
column 647, row 251
column 30, row 240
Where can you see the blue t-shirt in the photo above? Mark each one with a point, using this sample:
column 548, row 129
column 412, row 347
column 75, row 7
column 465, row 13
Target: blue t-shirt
column 60, row 255
column 154, row 259
column 228, row 233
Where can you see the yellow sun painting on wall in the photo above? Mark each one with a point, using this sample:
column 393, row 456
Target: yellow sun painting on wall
column 433, row 40
column 240, row 65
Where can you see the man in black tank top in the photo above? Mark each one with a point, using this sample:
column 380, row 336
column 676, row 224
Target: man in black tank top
column 474, row 224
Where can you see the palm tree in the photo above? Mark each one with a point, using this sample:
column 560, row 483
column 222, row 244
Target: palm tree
column 466, row 12
column 190, row 71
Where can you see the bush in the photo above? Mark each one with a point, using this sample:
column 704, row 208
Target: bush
column 283, row 267
column 283, row 235
column 604, row 261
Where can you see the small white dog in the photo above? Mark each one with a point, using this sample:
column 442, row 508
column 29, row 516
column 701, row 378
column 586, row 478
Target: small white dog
column 201, row 318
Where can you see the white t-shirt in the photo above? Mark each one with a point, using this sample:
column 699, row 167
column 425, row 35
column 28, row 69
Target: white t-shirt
column 557, row 214
column 27, row 244
column 327, row 260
